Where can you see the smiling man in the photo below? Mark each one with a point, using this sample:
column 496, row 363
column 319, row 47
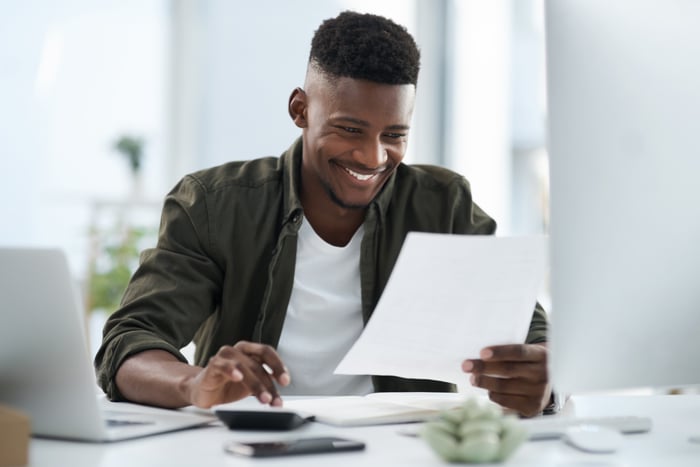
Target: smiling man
column 274, row 265
column 355, row 134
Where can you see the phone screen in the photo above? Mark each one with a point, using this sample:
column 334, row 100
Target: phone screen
column 298, row 446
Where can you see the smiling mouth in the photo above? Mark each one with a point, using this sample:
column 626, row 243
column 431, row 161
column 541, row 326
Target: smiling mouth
column 359, row 176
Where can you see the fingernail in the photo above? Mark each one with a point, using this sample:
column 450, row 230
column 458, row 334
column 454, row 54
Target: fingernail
column 285, row 379
column 265, row 397
column 472, row 379
column 277, row 402
column 237, row 375
column 486, row 354
column 467, row 365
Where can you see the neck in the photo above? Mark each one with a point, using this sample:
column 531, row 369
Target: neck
column 334, row 224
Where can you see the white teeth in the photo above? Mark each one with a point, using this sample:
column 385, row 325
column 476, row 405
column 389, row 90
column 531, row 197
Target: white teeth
column 358, row 176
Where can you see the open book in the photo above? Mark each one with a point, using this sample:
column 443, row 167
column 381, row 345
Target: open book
column 375, row 408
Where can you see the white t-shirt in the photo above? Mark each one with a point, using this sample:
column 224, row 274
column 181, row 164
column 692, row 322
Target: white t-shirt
column 324, row 317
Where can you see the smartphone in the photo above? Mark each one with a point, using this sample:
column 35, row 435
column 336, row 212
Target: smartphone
column 293, row 447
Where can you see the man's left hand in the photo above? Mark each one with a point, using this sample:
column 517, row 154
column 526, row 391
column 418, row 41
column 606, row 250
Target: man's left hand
column 514, row 375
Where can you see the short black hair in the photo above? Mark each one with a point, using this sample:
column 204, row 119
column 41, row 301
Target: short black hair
column 365, row 46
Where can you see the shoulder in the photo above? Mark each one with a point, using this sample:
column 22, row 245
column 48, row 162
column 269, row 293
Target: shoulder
column 435, row 199
column 430, row 178
column 237, row 174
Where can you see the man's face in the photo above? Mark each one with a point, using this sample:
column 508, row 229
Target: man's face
column 355, row 135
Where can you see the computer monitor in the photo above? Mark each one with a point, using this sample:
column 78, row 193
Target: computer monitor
column 623, row 85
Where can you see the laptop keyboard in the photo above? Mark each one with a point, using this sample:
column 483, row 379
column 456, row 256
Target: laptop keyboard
column 550, row 427
column 113, row 423
column 553, row 427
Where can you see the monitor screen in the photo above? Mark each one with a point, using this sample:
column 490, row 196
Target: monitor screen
column 623, row 90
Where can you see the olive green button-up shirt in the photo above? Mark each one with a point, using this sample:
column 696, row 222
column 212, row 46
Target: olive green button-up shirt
column 223, row 267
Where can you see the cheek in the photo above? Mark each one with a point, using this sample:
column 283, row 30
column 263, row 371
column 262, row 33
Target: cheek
column 396, row 154
column 333, row 144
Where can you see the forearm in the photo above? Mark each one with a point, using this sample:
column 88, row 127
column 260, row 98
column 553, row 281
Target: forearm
column 156, row 377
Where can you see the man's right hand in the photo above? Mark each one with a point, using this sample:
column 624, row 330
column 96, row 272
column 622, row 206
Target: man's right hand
column 157, row 377
column 236, row 372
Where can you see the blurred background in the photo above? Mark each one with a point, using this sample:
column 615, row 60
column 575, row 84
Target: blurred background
column 105, row 104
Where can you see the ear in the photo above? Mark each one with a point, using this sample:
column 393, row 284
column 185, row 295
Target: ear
column 297, row 107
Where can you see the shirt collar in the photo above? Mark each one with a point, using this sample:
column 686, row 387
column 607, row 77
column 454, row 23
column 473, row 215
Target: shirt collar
column 291, row 182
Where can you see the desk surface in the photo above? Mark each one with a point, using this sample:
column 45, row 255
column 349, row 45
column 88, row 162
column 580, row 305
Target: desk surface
column 675, row 419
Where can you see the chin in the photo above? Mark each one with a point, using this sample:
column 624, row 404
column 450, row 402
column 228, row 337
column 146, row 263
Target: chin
column 348, row 204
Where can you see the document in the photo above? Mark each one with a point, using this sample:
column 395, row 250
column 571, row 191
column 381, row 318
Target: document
column 448, row 297
column 376, row 408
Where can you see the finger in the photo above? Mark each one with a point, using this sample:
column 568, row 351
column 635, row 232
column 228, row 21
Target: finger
column 514, row 352
column 257, row 379
column 223, row 367
column 512, row 386
column 266, row 355
column 235, row 362
column 508, row 369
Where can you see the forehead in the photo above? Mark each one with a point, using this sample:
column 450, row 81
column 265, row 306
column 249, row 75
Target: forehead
column 366, row 99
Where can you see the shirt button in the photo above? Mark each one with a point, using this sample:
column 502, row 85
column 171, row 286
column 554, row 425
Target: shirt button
column 296, row 217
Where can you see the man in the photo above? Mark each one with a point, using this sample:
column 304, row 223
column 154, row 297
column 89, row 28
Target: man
column 274, row 265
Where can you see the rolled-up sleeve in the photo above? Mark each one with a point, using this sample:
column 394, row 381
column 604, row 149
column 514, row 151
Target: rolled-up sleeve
column 538, row 326
column 175, row 288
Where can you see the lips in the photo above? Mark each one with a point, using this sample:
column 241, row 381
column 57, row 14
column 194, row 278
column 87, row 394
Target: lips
column 359, row 176
column 356, row 187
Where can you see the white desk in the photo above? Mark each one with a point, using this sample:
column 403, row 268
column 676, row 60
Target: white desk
column 675, row 419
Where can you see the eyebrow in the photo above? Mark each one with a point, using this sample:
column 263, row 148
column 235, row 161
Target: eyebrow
column 366, row 124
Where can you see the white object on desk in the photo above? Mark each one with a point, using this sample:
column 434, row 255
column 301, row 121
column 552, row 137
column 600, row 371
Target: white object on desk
column 593, row 438
column 377, row 408
column 552, row 427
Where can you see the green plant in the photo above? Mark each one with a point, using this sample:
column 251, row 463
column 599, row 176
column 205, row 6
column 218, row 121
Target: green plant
column 474, row 433
column 132, row 148
column 115, row 258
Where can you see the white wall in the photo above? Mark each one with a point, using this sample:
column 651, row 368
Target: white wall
column 242, row 60
column 479, row 138
column 74, row 76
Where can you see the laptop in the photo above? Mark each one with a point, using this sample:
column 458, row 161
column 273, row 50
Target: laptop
column 45, row 366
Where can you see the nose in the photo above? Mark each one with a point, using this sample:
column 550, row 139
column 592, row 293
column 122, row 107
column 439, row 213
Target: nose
column 372, row 154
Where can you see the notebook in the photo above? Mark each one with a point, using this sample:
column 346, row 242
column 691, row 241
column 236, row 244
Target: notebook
column 378, row 408
column 45, row 366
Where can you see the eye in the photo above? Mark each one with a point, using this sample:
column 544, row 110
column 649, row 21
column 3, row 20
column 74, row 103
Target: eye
column 349, row 129
column 394, row 135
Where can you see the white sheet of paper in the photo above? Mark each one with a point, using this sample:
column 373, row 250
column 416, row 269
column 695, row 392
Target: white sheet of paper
column 448, row 297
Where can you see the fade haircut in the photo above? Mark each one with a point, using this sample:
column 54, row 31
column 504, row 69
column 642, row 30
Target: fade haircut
column 365, row 46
